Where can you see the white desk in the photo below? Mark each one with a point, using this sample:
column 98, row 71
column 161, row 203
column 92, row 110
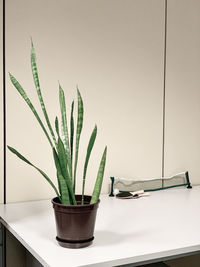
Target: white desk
column 163, row 225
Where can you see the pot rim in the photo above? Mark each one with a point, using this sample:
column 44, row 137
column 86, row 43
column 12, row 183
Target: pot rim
column 73, row 206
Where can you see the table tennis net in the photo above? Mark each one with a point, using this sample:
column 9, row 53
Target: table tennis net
column 131, row 185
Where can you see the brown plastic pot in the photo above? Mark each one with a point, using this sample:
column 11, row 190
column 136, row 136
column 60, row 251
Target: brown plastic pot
column 75, row 223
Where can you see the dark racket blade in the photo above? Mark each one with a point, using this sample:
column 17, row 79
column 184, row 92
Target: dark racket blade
column 124, row 195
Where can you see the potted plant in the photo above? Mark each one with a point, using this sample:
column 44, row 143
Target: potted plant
column 75, row 215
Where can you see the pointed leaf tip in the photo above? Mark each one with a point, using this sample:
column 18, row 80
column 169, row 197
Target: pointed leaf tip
column 60, row 88
column 79, row 94
column 32, row 49
column 31, row 42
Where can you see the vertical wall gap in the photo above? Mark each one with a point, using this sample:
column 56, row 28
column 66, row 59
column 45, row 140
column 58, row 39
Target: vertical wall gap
column 164, row 92
column 4, row 107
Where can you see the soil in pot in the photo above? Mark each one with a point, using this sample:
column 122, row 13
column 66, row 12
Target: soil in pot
column 75, row 223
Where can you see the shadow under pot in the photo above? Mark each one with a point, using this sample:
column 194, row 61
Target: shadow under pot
column 75, row 223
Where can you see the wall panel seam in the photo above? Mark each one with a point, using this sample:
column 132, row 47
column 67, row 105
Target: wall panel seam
column 164, row 89
column 4, row 107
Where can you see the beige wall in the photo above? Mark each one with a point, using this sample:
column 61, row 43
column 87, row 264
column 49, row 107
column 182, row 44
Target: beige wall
column 114, row 51
column 182, row 136
column 1, row 102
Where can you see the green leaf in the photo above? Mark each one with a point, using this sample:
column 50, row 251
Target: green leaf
column 62, row 158
column 89, row 150
column 78, row 132
column 25, row 97
column 57, row 126
column 28, row 162
column 64, row 169
column 61, row 181
column 63, row 188
column 99, row 180
column 37, row 85
column 72, row 130
column 65, row 128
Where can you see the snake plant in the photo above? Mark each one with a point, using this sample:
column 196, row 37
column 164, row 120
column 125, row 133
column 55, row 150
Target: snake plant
column 64, row 143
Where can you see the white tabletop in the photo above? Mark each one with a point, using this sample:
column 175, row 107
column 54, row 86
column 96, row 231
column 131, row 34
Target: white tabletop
column 165, row 224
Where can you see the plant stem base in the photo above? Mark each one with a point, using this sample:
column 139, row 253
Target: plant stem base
column 74, row 244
